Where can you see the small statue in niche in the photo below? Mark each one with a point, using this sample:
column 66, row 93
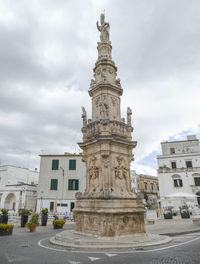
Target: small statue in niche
column 104, row 29
column 129, row 113
column 103, row 108
column 93, row 175
column 120, row 172
column 84, row 116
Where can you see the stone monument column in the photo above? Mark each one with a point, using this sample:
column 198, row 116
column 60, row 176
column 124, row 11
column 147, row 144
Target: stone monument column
column 108, row 207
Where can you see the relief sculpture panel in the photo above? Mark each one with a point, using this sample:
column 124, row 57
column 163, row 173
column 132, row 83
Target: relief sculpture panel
column 93, row 172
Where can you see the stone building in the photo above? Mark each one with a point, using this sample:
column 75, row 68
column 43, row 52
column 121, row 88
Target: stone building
column 179, row 171
column 61, row 176
column 108, row 207
column 146, row 185
column 18, row 187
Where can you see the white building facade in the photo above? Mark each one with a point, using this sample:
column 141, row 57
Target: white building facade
column 179, row 171
column 18, row 187
column 61, row 176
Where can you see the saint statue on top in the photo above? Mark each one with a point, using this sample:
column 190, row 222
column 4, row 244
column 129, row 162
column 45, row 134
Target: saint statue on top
column 104, row 29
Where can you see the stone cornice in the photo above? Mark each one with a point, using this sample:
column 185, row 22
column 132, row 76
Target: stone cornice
column 108, row 138
column 178, row 170
column 175, row 156
column 105, row 85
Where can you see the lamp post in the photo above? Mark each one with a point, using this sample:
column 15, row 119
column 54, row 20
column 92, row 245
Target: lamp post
column 41, row 201
column 63, row 174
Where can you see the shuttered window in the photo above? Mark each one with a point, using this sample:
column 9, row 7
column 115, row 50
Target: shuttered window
column 54, row 184
column 72, row 164
column 178, row 183
column 55, row 164
column 73, row 185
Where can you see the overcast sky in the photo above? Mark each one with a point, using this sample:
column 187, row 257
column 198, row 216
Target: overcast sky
column 47, row 55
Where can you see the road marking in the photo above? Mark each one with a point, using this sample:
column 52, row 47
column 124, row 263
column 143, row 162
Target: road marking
column 16, row 259
column 9, row 259
column 110, row 255
column 74, row 262
column 93, row 259
column 114, row 252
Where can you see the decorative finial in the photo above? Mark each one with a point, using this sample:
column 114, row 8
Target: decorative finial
column 103, row 28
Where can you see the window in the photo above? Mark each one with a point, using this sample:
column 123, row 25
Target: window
column 73, row 185
column 178, row 183
column 145, row 186
column 72, row 164
column 152, row 186
column 54, row 184
column 173, row 164
column 62, row 204
column 55, row 164
column 51, row 206
column 172, row 150
column 197, row 181
column 189, row 164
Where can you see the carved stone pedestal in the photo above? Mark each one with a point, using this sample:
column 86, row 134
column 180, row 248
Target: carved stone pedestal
column 109, row 218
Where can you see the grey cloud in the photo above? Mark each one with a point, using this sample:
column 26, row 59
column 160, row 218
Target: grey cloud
column 48, row 51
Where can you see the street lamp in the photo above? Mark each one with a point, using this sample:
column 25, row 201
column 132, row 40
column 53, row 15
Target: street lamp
column 41, row 201
column 63, row 174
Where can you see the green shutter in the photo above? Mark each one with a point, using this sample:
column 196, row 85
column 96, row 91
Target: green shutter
column 55, row 164
column 72, row 164
column 70, row 185
column 54, row 184
column 77, row 185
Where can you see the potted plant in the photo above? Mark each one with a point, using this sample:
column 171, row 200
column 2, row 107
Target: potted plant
column 6, row 229
column 168, row 214
column 44, row 217
column 185, row 213
column 24, row 213
column 4, row 216
column 57, row 224
column 33, row 223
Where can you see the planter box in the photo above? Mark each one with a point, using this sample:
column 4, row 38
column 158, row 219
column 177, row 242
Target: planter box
column 24, row 220
column 44, row 219
column 57, row 227
column 3, row 219
column 168, row 216
column 185, row 215
column 6, row 233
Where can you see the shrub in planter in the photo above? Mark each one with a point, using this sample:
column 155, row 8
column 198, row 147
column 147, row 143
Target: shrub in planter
column 185, row 213
column 168, row 215
column 24, row 216
column 57, row 224
column 6, row 229
column 4, row 216
column 33, row 223
column 44, row 217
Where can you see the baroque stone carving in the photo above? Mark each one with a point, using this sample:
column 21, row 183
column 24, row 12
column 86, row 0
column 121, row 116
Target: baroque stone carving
column 84, row 117
column 103, row 105
column 108, row 207
column 93, row 175
column 121, row 175
column 104, row 29
column 129, row 113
